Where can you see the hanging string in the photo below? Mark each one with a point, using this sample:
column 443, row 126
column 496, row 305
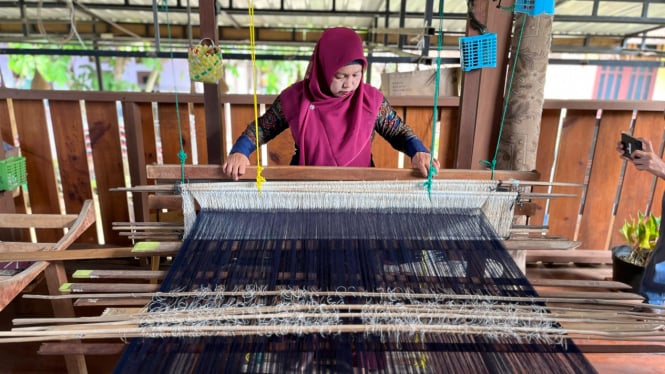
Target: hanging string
column 492, row 164
column 434, row 146
column 182, row 155
column 252, row 47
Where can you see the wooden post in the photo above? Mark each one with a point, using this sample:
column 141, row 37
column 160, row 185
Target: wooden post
column 521, row 130
column 55, row 275
column 137, row 159
column 211, row 95
column 482, row 90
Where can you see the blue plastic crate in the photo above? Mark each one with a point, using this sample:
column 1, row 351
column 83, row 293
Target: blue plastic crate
column 478, row 51
column 534, row 7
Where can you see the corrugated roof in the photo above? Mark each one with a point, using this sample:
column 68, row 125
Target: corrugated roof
column 579, row 25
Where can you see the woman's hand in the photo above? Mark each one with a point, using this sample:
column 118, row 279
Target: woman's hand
column 421, row 160
column 235, row 165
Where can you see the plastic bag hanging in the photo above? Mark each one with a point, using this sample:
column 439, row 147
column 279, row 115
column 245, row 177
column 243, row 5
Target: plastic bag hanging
column 205, row 62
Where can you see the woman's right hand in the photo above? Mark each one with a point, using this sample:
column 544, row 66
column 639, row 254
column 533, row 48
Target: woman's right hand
column 235, row 165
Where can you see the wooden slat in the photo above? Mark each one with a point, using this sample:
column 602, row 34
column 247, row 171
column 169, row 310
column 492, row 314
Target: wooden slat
column 537, row 243
column 104, row 129
column 587, row 346
column 81, row 254
column 77, row 287
column 37, row 220
column 118, row 274
column 146, row 225
column 81, row 348
column 16, row 247
column 573, row 156
column 588, row 295
column 173, row 127
column 549, row 125
column 569, row 271
column 70, row 142
column 580, row 283
column 118, row 301
column 198, row 110
column 600, row 199
column 420, row 121
column 35, row 144
column 579, row 256
column 136, row 156
column 448, row 117
column 149, row 145
column 243, row 114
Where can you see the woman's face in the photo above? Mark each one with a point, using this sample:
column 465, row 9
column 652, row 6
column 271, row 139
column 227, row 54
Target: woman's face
column 346, row 80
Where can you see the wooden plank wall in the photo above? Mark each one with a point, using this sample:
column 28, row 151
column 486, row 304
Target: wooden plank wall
column 577, row 145
column 610, row 190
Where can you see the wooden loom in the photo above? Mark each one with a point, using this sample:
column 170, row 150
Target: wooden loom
column 211, row 172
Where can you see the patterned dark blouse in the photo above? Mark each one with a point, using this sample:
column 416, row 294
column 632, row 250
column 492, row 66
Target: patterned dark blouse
column 388, row 124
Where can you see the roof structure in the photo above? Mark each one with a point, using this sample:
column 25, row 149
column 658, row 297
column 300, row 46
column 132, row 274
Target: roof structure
column 399, row 29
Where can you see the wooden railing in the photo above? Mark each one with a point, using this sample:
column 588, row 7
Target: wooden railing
column 103, row 141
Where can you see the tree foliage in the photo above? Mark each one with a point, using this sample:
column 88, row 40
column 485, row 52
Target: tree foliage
column 65, row 72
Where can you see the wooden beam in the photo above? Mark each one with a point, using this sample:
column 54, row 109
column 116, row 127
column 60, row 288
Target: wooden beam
column 538, row 243
column 81, row 348
column 37, row 220
column 322, row 173
column 85, row 254
column 609, row 295
column 118, row 274
column 580, row 283
column 578, row 256
column 126, row 301
column 108, row 287
column 14, row 247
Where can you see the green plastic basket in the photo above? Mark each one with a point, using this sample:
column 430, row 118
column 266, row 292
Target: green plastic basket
column 12, row 173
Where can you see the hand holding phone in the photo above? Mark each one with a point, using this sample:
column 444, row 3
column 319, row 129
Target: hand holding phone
column 630, row 145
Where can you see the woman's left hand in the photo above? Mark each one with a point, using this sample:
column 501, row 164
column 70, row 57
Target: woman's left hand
column 421, row 160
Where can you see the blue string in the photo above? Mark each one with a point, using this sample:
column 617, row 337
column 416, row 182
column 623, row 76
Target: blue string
column 432, row 170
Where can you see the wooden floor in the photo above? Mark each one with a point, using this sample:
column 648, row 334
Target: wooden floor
column 605, row 356
column 608, row 357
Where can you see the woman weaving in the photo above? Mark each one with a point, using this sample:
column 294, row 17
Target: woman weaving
column 332, row 114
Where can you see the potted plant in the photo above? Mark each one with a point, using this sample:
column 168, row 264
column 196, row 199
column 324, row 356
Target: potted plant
column 628, row 260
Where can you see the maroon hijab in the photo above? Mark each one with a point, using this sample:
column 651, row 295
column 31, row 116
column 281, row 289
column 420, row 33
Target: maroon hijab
column 329, row 130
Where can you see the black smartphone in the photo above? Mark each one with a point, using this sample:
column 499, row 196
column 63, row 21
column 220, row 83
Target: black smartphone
column 630, row 145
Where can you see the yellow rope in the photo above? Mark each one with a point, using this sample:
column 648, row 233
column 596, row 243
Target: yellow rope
column 252, row 46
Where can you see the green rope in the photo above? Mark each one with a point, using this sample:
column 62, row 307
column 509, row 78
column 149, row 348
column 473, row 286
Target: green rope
column 182, row 155
column 435, row 115
column 492, row 164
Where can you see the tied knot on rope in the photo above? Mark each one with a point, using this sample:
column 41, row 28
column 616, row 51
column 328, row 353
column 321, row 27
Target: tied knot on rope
column 430, row 175
column 259, row 178
column 489, row 164
column 182, row 156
